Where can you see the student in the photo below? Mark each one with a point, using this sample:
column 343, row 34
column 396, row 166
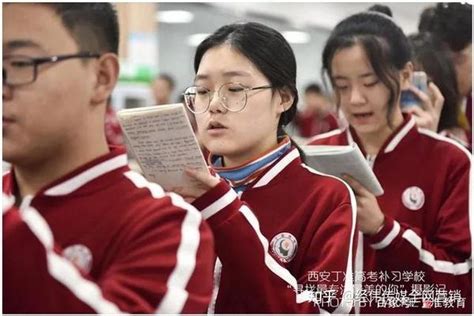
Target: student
column 316, row 117
column 81, row 232
column 415, row 238
column 278, row 225
column 162, row 88
column 452, row 23
column 430, row 56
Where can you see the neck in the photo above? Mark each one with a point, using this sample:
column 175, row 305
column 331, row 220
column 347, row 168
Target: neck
column 231, row 161
column 373, row 142
column 235, row 161
column 32, row 177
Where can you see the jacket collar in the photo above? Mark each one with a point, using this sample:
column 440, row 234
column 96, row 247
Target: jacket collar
column 392, row 141
column 67, row 184
column 278, row 167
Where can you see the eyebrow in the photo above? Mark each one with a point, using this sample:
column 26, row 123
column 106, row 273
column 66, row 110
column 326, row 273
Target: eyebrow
column 368, row 74
column 225, row 74
column 21, row 44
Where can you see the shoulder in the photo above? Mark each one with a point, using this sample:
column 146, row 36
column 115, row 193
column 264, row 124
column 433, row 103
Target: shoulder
column 326, row 186
column 140, row 198
column 443, row 146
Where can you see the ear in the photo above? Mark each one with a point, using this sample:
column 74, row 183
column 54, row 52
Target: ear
column 406, row 75
column 285, row 100
column 107, row 71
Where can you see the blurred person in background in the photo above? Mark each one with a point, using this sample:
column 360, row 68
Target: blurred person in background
column 317, row 115
column 426, row 20
column 430, row 56
column 452, row 24
column 381, row 8
column 162, row 89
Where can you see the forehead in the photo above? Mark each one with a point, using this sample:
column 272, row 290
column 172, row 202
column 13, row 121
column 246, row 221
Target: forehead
column 224, row 59
column 350, row 61
column 35, row 24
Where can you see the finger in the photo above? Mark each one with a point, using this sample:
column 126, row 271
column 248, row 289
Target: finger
column 424, row 98
column 196, row 173
column 438, row 98
column 184, row 192
column 203, row 177
column 358, row 188
column 419, row 114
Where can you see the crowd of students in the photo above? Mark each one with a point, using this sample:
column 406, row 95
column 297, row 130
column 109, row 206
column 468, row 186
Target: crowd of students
column 263, row 232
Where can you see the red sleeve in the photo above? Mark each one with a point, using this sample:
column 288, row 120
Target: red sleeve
column 445, row 255
column 159, row 270
column 272, row 287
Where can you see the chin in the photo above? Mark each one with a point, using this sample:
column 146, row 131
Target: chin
column 365, row 129
column 10, row 156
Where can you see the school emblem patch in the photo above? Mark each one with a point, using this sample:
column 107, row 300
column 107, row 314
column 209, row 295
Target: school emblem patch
column 413, row 198
column 284, row 246
column 80, row 256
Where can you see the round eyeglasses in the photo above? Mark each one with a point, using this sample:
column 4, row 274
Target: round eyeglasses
column 232, row 96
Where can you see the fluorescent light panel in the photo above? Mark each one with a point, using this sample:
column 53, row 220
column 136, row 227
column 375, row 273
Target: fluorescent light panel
column 174, row 16
column 297, row 37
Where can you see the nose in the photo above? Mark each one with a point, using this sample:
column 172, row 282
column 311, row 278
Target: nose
column 215, row 105
column 356, row 96
column 7, row 90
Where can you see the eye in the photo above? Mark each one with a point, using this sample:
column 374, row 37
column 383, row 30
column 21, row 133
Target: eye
column 341, row 87
column 201, row 91
column 235, row 88
column 21, row 63
column 371, row 84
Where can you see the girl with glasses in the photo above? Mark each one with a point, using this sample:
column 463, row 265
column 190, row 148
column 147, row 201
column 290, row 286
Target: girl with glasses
column 414, row 244
column 283, row 232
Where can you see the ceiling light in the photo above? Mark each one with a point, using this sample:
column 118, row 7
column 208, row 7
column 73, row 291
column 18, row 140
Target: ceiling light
column 174, row 16
column 296, row 37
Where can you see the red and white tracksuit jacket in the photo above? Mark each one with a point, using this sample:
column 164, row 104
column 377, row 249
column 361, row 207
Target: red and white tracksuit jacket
column 425, row 177
column 103, row 239
column 286, row 244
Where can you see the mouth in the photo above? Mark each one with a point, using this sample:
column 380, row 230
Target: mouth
column 213, row 125
column 363, row 115
column 6, row 120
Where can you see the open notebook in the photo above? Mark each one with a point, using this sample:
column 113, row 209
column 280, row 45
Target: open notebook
column 337, row 160
column 163, row 141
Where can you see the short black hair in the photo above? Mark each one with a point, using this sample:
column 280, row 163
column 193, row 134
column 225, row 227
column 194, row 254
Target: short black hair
column 313, row 88
column 381, row 8
column 94, row 26
column 452, row 22
column 267, row 49
column 426, row 20
column 168, row 78
column 384, row 43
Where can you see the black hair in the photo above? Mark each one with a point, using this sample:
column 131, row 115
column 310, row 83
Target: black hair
column 432, row 57
column 168, row 78
column 94, row 26
column 314, row 88
column 452, row 22
column 267, row 49
column 381, row 8
column 426, row 20
column 384, row 43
